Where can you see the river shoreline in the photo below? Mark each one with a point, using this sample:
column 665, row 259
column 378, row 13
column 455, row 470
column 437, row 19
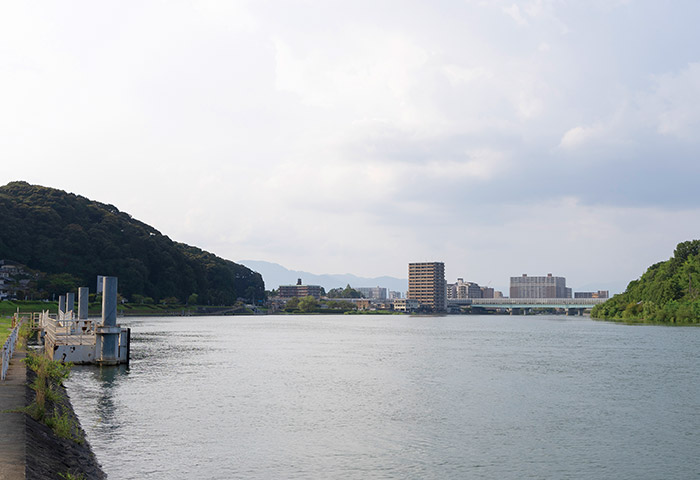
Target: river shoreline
column 49, row 456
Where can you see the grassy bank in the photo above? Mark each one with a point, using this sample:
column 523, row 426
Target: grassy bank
column 5, row 328
column 9, row 307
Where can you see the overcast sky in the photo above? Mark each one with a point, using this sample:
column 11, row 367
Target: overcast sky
column 500, row 137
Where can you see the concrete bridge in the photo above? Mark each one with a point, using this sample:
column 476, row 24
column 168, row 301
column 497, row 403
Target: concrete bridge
column 524, row 305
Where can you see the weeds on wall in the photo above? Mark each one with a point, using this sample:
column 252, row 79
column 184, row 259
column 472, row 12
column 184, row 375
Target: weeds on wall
column 46, row 408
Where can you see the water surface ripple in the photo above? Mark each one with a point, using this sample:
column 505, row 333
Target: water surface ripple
column 358, row 397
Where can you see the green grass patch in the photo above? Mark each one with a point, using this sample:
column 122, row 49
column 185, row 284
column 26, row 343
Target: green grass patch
column 46, row 408
column 64, row 426
column 9, row 307
column 72, row 476
column 5, row 329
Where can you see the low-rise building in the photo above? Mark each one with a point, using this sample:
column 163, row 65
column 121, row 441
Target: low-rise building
column 16, row 281
column 462, row 289
column 300, row 291
column 363, row 303
column 374, row 293
column 598, row 294
column 487, row 292
column 406, row 305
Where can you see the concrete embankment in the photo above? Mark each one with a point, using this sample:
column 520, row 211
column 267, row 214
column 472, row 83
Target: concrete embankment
column 12, row 425
column 31, row 450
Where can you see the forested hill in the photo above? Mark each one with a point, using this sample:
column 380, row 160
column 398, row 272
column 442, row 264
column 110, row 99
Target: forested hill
column 57, row 233
column 669, row 292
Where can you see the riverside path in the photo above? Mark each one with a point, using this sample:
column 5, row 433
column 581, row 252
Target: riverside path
column 12, row 425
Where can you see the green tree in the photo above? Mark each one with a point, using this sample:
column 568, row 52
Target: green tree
column 59, row 284
column 347, row 292
column 308, row 304
column 292, row 304
column 667, row 292
column 192, row 299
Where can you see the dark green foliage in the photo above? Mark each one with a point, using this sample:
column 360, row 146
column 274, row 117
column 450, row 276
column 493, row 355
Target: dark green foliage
column 669, row 292
column 74, row 239
column 344, row 305
column 347, row 292
column 308, row 304
column 292, row 304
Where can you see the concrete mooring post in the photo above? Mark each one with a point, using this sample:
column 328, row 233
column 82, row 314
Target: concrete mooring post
column 61, row 305
column 83, row 297
column 70, row 302
column 107, row 341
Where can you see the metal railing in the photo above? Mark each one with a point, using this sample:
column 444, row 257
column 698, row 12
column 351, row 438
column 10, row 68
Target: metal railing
column 529, row 302
column 9, row 348
column 66, row 330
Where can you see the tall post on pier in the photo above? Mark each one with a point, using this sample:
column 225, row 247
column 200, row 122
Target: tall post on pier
column 83, row 297
column 107, row 340
column 61, row 306
column 70, row 302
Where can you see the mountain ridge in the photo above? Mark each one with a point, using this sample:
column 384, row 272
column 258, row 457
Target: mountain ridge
column 75, row 239
column 276, row 275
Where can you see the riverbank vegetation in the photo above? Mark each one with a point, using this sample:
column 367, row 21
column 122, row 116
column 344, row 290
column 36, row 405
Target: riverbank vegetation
column 311, row 305
column 9, row 307
column 667, row 293
column 49, row 397
column 5, row 328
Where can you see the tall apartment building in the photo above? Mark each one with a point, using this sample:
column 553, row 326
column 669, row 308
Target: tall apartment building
column 426, row 283
column 539, row 287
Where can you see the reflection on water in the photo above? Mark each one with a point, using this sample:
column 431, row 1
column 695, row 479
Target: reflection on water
column 395, row 397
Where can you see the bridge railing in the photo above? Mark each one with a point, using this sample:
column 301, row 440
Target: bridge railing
column 507, row 302
column 9, row 348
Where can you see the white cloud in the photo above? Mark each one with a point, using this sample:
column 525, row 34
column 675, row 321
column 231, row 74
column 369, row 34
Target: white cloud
column 513, row 11
column 259, row 129
column 676, row 100
column 457, row 74
column 578, row 136
column 367, row 73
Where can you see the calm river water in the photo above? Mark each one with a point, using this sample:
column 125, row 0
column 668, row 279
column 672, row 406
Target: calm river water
column 357, row 397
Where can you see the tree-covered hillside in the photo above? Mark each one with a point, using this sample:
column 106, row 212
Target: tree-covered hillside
column 61, row 233
column 669, row 292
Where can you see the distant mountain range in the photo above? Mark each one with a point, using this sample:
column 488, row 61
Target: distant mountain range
column 275, row 275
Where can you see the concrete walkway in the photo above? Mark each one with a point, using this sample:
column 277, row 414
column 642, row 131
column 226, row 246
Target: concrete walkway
column 12, row 425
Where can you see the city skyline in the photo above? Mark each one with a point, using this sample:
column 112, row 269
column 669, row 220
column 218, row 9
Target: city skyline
column 500, row 137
